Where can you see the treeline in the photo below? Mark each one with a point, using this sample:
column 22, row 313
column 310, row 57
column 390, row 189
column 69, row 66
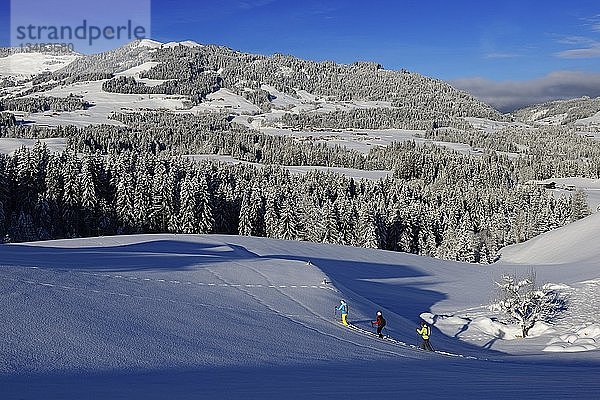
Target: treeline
column 545, row 151
column 43, row 103
column 45, row 196
column 195, row 89
column 6, row 82
column 63, row 78
column 7, row 120
column 374, row 118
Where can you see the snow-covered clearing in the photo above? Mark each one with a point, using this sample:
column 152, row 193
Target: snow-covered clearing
column 567, row 186
column 364, row 139
column 553, row 119
column 9, row 145
column 180, row 316
column 224, row 100
column 29, row 64
column 489, row 125
column 104, row 104
column 593, row 120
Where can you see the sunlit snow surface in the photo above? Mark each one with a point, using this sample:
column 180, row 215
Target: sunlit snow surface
column 184, row 316
column 28, row 64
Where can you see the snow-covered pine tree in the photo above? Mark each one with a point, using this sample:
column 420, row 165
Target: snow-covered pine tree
column 579, row 206
column 188, row 218
column 162, row 198
column 289, row 223
column 367, row 228
column 246, row 218
column 206, row 219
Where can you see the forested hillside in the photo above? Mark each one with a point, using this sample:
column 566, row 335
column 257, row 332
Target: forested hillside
column 137, row 177
column 132, row 180
column 561, row 112
column 197, row 71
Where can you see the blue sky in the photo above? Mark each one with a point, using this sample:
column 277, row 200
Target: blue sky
column 446, row 39
column 466, row 42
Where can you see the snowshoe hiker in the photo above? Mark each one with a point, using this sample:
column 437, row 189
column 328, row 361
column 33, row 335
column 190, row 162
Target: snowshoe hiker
column 380, row 322
column 425, row 333
column 343, row 309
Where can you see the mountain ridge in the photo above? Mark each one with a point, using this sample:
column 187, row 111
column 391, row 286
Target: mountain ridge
column 196, row 71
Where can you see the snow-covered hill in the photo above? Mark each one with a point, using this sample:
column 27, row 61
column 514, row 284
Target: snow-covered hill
column 581, row 111
column 24, row 65
column 573, row 244
column 206, row 316
column 215, row 78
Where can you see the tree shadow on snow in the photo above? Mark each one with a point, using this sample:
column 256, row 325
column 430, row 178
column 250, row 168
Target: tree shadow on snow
column 151, row 255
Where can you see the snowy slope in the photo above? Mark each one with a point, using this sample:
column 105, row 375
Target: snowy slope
column 28, row 64
column 572, row 244
column 9, row 145
column 568, row 255
column 207, row 316
column 105, row 104
column 593, row 120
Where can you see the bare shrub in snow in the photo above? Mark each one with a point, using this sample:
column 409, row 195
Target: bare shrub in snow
column 524, row 303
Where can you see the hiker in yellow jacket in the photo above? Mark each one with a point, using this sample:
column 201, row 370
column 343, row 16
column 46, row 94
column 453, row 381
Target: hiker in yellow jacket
column 425, row 332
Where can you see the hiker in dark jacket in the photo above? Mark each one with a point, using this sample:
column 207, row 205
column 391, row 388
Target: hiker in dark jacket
column 380, row 322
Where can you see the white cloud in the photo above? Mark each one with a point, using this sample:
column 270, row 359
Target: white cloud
column 592, row 51
column 586, row 47
column 576, row 40
column 251, row 4
column 501, row 55
column 510, row 95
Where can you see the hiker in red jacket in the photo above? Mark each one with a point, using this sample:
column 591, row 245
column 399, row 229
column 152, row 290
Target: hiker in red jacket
column 380, row 322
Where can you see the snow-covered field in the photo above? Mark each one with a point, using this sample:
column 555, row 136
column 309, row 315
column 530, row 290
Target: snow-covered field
column 210, row 316
column 224, row 100
column 104, row 104
column 364, row 139
column 593, row 120
column 489, row 125
column 9, row 145
column 28, row 64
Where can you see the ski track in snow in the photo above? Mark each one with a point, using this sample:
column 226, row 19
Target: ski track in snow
column 312, row 315
column 138, row 297
column 412, row 346
column 244, row 288
column 326, row 320
column 145, row 280
column 360, row 330
column 177, row 282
